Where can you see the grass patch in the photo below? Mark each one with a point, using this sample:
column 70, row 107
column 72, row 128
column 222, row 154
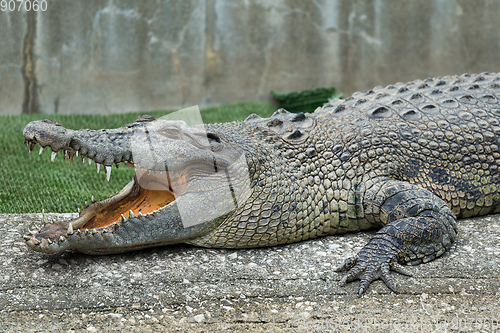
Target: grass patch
column 32, row 182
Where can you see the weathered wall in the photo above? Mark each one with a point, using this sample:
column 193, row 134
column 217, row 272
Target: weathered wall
column 105, row 56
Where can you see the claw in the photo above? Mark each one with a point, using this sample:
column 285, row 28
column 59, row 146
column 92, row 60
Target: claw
column 343, row 282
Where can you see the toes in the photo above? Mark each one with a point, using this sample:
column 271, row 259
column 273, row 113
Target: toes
column 370, row 268
column 347, row 264
column 352, row 275
column 400, row 269
column 368, row 277
column 386, row 277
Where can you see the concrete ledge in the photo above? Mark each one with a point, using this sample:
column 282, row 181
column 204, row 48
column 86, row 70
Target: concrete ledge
column 287, row 288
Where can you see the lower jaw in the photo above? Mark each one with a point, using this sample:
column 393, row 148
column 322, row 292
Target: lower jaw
column 135, row 199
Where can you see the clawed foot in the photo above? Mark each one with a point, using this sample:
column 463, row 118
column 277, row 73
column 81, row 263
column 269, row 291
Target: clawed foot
column 369, row 266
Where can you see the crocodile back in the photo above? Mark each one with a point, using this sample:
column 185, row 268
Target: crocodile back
column 439, row 133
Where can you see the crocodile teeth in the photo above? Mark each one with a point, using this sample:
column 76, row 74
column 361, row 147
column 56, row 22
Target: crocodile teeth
column 131, row 214
column 31, row 146
column 87, row 232
column 86, row 204
column 98, row 166
column 70, row 229
column 124, row 219
column 79, row 211
column 53, row 156
column 108, row 172
column 70, row 159
column 93, row 199
column 78, row 231
column 62, row 239
column 90, row 161
column 65, row 154
column 76, row 153
column 32, row 232
column 26, row 237
column 41, row 150
column 49, row 241
column 149, row 172
column 36, row 241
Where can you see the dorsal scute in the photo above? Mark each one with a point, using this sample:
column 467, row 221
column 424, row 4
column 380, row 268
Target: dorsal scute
column 253, row 117
column 292, row 127
column 280, row 111
column 416, row 99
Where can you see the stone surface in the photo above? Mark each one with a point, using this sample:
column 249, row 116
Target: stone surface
column 102, row 56
column 288, row 288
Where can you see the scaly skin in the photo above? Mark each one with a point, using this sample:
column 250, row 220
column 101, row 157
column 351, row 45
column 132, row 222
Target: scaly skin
column 408, row 159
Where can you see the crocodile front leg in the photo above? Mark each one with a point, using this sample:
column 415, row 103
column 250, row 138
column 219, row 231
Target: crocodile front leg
column 418, row 227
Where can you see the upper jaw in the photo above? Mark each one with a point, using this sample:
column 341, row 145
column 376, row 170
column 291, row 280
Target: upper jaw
column 105, row 149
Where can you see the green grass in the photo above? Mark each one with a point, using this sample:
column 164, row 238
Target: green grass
column 31, row 182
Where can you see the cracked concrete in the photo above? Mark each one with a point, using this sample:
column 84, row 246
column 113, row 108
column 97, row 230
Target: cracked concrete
column 288, row 288
column 108, row 56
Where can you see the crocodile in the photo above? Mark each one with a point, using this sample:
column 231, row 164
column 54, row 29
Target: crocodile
column 407, row 159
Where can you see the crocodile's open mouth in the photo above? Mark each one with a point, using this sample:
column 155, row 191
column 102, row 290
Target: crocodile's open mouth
column 136, row 198
column 148, row 192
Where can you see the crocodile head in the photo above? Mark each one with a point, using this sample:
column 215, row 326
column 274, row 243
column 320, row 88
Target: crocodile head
column 188, row 179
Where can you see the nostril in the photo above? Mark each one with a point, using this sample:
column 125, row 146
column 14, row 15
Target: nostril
column 145, row 118
column 48, row 121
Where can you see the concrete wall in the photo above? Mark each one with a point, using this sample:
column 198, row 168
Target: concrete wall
column 105, row 56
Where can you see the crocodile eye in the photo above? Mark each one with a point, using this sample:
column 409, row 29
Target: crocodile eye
column 213, row 136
